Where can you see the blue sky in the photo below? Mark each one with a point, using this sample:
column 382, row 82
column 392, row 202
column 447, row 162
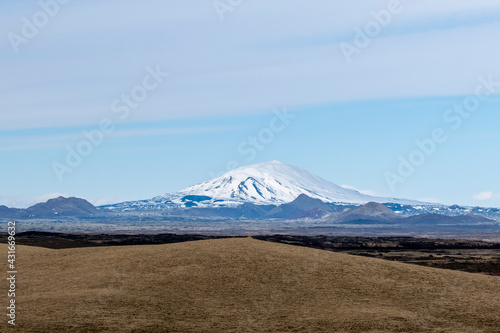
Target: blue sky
column 219, row 82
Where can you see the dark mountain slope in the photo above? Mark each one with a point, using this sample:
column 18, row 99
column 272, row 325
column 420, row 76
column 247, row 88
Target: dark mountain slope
column 53, row 208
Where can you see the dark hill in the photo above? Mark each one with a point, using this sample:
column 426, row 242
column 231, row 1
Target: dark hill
column 53, row 208
column 300, row 208
column 371, row 211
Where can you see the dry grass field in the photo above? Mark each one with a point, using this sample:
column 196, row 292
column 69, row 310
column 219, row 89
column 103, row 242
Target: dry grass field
column 242, row 285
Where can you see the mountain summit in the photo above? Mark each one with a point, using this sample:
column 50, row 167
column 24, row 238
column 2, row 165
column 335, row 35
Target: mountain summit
column 269, row 183
column 371, row 211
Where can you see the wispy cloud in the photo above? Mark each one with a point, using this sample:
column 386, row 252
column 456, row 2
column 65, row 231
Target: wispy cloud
column 48, row 141
column 486, row 195
column 431, row 200
column 104, row 201
column 246, row 75
column 367, row 192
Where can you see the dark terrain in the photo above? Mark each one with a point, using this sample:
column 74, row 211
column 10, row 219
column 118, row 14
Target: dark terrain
column 464, row 255
column 66, row 241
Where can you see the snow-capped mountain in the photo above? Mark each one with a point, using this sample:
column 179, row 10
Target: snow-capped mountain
column 269, row 183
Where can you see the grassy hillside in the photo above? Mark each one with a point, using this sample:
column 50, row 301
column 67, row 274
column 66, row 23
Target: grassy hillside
column 243, row 285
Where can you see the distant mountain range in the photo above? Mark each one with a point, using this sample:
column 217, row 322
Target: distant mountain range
column 266, row 191
column 53, row 208
column 303, row 215
column 305, row 207
column 319, row 213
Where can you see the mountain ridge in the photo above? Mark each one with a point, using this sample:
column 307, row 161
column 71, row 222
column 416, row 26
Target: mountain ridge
column 56, row 207
column 268, row 183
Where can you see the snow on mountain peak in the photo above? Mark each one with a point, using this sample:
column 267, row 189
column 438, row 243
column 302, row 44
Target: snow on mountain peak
column 266, row 183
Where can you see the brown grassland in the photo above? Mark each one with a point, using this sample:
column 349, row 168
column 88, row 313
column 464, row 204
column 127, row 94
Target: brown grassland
column 241, row 285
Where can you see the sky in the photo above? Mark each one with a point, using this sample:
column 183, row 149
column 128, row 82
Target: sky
column 126, row 100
